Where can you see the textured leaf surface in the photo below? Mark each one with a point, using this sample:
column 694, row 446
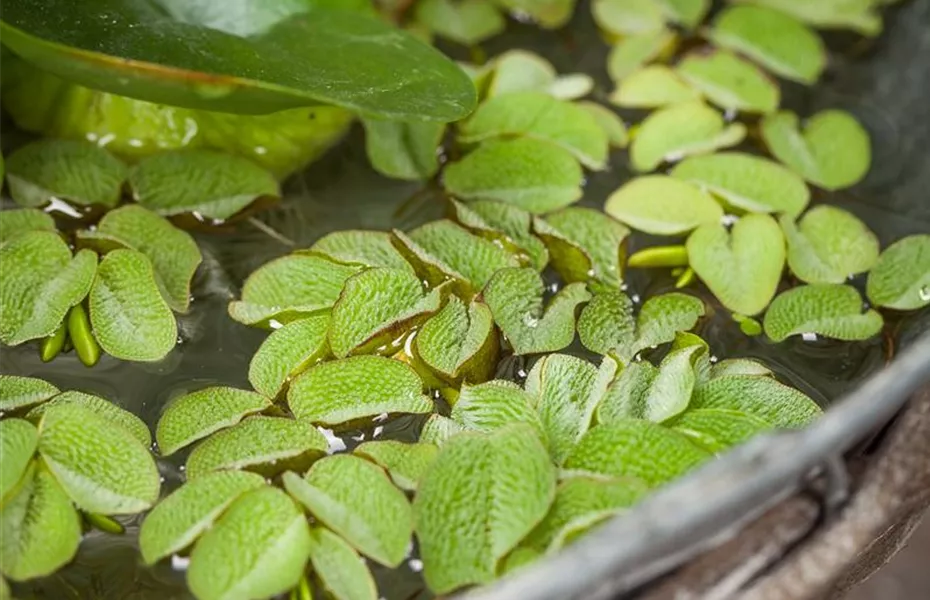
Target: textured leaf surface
column 196, row 415
column 585, row 244
column 18, row 440
column 492, row 405
column 653, row 86
column 761, row 397
column 661, row 205
column 634, row 51
column 459, row 342
column 403, row 150
column 287, row 352
column 341, row 570
column 20, row 392
column 901, row 277
column 730, row 82
column 361, row 247
column 438, row 429
column 827, row 309
column 106, row 409
column 405, row 463
column 829, row 245
column 505, row 224
column 718, row 430
column 18, row 221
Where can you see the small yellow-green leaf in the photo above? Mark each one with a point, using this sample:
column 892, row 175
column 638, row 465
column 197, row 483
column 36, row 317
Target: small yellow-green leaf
column 467, row 22
column 717, row 430
column 519, row 70
column 634, row 51
column 19, row 392
column 205, row 183
column 653, row 86
column 189, row 511
column 77, row 172
column 833, row 151
column 827, row 309
column 505, row 224
column 901, row 277
column 609, row 122
column 18, row 440
column 760, row 397
column 687, row 13
column 131, row 319
column 403, row 150
column 585, row 245
column 343, row 573
column 739, row 366
column 626, row 396
column 378, row 522
column 106, row 409
column 858, row 15
column 287, row 352
column 18, row 221
column 549, row 14
column 361, row 247
column 571, row 86
column 661, row 205
column 627, row 17
column 484, row 493
column 490, row 406
column 829, row 245
column 405, row 463
column 459, row 342
column 730, row 82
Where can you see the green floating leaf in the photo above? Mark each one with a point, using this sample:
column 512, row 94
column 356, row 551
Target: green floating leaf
column 405, row 463
column 360, row 387
column 19, row 392
column 661, row 205
column 515, row 297
column 493, row 405
column 376, row 307
column 76, row 172
column 827, row 309
column 519, row 71
column 530, row 174
column 341, row 570
column 18, row 440
column 130, row 318
column 773, row 39
column 378, row 523
column 688, row 13
column 41, row 282
column 289, row 288
column 459, row 342
column 266, row 445
column 482, row 496
column 549, row 14
column 438, row 429
column 739, row 366
column 718, row 430
column 681, row 130
column 585, row 244
column 178, row 520
column 173, row 252
column 18, row 221
column 287, row 352
column 103, row 468
column 858, row 15
column 504, row 224
column 540, row 116
column 627, row 17
column 634, row 51
column 403, row 150
column 742, row 267
column 360, row 247
column 571, row 86
column 106, row 409
column 901, row 277
column 833, row 151
column 467, row 22
column 196, row 415
column 730, row 82
column 653, row 86
column 638, row 449
column 746, row 182
column 257, row 549
column 39, row 528
column 610, row 122
column 760, row 397
column 829, row 245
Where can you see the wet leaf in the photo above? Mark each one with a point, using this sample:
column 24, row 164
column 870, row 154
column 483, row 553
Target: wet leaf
column 718, row 430
column 493, row 405
column 653, row 86
column 530, row 174
column 773, row 39
column 609, row 122
column 833, row 151
column 742, row 267
column 858, row 15
column 746, row 182
column 831, row 310
column 360, row 387
column 681, row 130
column 41, row 281
column 405, row 463
column 77, row 172
column 627, row 17
column 19, row 221
column 760, row 397
column 661, row 205
column 403, row 150
column 483, row 494
column 829, row 245
column 467, row 22
column 106, row 409
column 343, row 573
column 18, row 440
column 19, row 392
column 505, row 224
column 104, row 469
column 360, row 247
column 188, row 512
column 196, row 415
column 901, row 277
column 730, row 82
column 266, row 445
column 515, row 297
column 459, row 342
column 257, row 549
column 585, row 244
column 438, row 429
column 378, row 523
column 634, row 51
column 688, row 13
column 287, row 352
column 130, row 318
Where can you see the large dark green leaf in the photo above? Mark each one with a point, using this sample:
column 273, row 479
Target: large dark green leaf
column 249, row 56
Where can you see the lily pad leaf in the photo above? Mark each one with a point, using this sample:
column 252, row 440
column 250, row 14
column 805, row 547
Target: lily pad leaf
column 653, row 86
column 829, row 245
column 41, row 282
column 681, row 130
column 259, row 59
column 378, row 523
column 130, row 318
column 718, row 430
column 191, row 510
column 467, row 22
column 540, row 116
column 405, row 463
column 257, row 549
column 39, row 527
column 773, row 39
column 634, row 51
column 638, row 449
column 610, row 122
column 515, row 297
column 266, row 445
column 173, row 252
column 341, row 570
column 504, row 224
column 585, row 244
column 746, row 182
column 287, row 352
column 482, row 496
column 459, row 342
column 730, row 82
column 19, row 392
column 493, row 405
column 77, row 172
column 360, row 387
column 531, row 174
column 438, row 429
column 901, row 277
column 196, row 415
column 106, row 409
column 858, row 15
column 19, row 440
column 361, row 247
column 103, row 468
column 18, row 221
column 661, row 205
column 827, row 309
column 742, row 267
column 627, row 17
column 833, row 151
column 761, row 397
column 403, row 150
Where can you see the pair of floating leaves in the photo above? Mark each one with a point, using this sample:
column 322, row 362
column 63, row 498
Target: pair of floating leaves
column 521, row 71
column 653, row 86
column 505, row 224
column 585, row 245
column 901, row 277
column 662, row 205
column 459, row 342
column 831, row 310
column 287, row 352
column 829, row 245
